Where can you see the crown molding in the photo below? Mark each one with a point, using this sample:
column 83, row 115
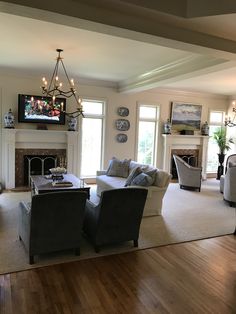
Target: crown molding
column 185, row 93
column 181, row 69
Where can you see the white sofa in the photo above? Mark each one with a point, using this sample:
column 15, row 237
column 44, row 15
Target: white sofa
column 156, row 191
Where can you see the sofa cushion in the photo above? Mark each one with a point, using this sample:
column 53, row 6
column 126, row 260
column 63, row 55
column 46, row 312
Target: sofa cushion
column 108, row 182
column 142, row 179
column 232, row 164
column 118, row 168
column 132, row 175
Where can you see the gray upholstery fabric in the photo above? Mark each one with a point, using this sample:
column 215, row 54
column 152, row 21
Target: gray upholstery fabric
column 231, row 159
column 142, row 179
column 132, row 175
column 229, row 190
column 229, row 185
column 53, row 222
column 118, row 168
column 188, row 176
column 116, row 218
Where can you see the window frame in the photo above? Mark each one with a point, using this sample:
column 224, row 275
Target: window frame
column 80, row 129
column 156, row 132
column 217, row 124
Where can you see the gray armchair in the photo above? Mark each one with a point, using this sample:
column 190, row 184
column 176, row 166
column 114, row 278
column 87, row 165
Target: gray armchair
column 229, row 185
column 52, row 222
column 189, row 177
column 229, row 161
column 116, row 218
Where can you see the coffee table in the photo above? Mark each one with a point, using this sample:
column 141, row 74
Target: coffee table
column 43, row 184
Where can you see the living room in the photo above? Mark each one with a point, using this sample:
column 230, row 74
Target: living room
column 200, row 83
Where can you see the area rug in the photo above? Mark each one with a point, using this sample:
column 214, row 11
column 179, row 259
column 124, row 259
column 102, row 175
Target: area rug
column 186, row 216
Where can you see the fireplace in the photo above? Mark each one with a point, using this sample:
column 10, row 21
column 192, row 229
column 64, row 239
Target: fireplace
column 38, row 165
column 190, row 156
column 36, row 162
column 61, row 142
column 194, row 147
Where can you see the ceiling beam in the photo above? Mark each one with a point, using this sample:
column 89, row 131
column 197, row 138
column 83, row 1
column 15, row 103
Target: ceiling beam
column 185, row 68
column 201, row 8
column 124, row 22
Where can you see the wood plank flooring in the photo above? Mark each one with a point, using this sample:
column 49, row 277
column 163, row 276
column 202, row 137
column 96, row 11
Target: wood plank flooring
column 194, row 277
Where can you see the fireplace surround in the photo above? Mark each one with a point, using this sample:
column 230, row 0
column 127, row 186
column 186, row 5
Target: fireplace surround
column 63, row 143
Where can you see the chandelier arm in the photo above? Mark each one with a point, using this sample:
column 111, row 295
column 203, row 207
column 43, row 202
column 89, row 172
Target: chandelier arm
column 55, row 71
column 62, row 63
column 59, row 93
column 74, row 114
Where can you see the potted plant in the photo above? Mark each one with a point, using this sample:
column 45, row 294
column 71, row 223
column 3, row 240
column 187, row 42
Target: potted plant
column 224, row 145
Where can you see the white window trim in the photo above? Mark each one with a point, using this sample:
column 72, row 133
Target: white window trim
column 94, row 116
column 215, row 124
column 157, row 121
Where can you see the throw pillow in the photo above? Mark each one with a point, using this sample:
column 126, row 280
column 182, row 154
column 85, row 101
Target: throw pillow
column 118, row 168
column 152, row 173
column 136, row 171
column 142, row 179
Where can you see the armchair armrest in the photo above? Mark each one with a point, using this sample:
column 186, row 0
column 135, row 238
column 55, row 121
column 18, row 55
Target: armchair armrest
column 25, row 207
column 24, row 222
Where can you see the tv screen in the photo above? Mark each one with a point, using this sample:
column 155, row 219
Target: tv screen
column 40, row 109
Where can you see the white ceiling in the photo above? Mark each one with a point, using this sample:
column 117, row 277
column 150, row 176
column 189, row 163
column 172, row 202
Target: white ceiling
column 29, row 45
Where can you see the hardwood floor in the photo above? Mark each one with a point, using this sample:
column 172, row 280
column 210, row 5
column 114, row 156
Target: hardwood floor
column 194, row 277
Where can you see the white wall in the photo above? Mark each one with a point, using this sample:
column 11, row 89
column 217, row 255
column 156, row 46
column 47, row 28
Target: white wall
column 12, row 86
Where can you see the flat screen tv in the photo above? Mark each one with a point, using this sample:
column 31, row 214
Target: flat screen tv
column 40, row 109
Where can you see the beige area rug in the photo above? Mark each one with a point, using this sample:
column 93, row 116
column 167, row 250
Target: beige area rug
column 187, row 215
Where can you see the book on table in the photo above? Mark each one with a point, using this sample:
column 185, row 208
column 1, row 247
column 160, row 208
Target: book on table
column 61, row 183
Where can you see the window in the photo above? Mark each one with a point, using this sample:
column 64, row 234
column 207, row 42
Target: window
column 92, row 137
column 216, row 120
column 148, row 116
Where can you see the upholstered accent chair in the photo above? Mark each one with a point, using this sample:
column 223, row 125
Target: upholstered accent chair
column 189, row 177
column 228, row 181
column 116, row 218
column 52, row 222
column 229, row 161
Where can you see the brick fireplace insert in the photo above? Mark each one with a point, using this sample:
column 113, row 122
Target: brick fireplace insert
column 21, row 165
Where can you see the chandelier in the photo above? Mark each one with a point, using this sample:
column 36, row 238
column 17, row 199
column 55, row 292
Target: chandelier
column 228, row 121
column 54, row 88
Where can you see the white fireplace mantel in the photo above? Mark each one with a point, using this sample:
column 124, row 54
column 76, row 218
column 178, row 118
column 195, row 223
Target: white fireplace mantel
column 177, row 141
column 41, row 139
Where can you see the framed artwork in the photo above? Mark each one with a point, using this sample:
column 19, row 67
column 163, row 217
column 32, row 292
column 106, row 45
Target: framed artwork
column 185, row 116
column 123, row 111
column 122, row 124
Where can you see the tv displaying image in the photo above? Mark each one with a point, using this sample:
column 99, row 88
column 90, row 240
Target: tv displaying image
column 40, row 109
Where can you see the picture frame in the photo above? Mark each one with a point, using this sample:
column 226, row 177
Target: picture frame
column 185, row 116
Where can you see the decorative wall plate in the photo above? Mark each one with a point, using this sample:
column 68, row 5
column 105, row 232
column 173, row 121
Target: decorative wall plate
column 122, row 124
column 121, row 138
column 123, row 111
